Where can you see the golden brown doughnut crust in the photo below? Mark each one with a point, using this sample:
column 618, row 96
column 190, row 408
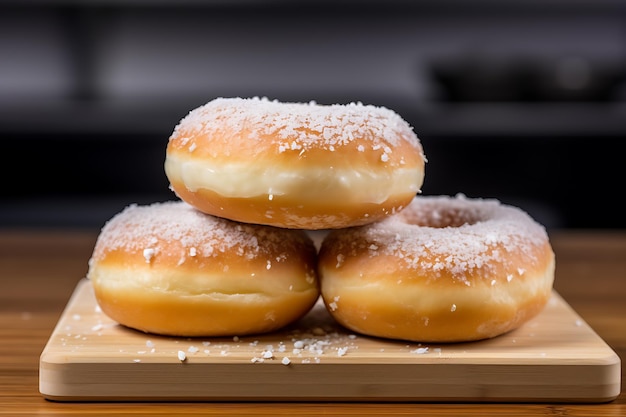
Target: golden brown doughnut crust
column 294, row 165
column 445, row 269
column 169, row 269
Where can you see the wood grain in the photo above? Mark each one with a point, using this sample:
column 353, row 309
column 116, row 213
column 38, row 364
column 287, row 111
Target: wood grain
column 556, row 356
column 40, row 269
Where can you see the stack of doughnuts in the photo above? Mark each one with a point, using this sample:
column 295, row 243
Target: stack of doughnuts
column 234, row 255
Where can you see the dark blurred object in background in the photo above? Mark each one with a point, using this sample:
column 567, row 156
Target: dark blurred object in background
column 568, row 78
column 522, row 100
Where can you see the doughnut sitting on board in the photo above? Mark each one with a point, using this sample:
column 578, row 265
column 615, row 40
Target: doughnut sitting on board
column 169, row 269
column 445, row 269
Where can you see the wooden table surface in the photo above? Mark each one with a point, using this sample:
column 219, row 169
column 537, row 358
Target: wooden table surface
column 40, row 269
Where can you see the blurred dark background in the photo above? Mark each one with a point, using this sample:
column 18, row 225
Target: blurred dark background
column 522, row 100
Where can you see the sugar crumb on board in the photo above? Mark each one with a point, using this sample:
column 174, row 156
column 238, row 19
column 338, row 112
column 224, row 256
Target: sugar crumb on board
column 312, row 340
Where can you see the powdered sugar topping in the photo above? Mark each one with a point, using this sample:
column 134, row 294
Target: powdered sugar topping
column 299, row 126
column 453, row 234
column 140, row 228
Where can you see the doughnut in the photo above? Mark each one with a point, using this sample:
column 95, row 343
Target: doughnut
column 445, row 269
column 168, row 269
column 294, row 165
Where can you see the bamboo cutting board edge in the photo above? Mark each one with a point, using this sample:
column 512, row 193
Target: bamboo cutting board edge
column 555, row 357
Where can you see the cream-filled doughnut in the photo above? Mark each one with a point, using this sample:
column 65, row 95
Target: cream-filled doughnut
column 294, row 165
column 168, row 269
column 445, row 269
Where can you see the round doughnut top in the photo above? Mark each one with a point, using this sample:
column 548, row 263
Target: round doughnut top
column 141, row 228
column 298, row 126
column 454, row 234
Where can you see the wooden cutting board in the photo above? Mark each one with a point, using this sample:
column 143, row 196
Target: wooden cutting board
column 556, row 357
